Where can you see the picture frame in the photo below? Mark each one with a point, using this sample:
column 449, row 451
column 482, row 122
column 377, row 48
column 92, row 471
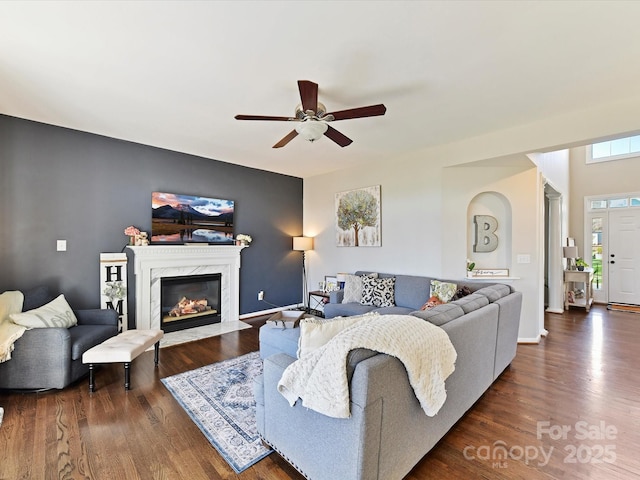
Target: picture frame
column 330, row 283
column 357, row 217
column 491, row 272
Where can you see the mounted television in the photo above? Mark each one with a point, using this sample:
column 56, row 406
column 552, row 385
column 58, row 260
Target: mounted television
column 182, row 219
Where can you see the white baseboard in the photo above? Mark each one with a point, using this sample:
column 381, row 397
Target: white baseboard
column 529, row 340
column 555, row 310
column 244, row 316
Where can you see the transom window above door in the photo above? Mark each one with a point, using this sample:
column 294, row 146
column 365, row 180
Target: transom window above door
column 617, row 149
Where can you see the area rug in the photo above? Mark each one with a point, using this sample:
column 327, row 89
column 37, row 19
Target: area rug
column 219, row 399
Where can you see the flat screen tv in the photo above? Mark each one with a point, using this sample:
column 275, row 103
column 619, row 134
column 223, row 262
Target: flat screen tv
column 182, row 219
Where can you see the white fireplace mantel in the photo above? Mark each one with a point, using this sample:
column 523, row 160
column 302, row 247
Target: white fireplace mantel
column 153, row 262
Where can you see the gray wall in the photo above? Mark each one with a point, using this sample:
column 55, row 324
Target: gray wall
column 57, row 183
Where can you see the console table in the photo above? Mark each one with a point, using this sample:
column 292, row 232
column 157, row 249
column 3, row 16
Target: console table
column 577, row 276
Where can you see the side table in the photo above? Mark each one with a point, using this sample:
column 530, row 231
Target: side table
column 317, row 299
column 579, row 276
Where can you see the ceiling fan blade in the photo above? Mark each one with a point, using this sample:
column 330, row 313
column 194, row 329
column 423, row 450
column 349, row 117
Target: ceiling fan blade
column 290, row 136
column 370, row 111
column 308, row 95
column 262, row 117
column 337, row 137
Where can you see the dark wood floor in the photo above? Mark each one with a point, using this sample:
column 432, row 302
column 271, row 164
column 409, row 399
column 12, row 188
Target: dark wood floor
column 582, row 379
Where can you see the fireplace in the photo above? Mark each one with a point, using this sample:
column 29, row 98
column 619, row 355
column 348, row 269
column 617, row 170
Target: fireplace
column 190, row 301
column 154, row 262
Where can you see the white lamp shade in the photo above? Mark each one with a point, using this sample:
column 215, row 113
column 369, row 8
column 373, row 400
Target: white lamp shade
column 302, row 244
column 570, row 252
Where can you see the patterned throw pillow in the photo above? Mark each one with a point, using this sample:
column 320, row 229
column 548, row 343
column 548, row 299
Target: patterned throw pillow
column 56, row 313
column 443, row 290
column 379, row 292
column 432, row 302
column 353, row 287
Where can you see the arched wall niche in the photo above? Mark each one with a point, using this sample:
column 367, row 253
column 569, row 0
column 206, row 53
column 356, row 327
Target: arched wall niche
column 498, row 206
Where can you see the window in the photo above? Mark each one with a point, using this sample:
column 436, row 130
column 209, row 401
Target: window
column 614, row 149
column 596, row 251
column 618, row 203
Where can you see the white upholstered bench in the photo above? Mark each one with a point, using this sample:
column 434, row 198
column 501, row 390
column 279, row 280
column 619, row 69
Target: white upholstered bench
column 122, row 348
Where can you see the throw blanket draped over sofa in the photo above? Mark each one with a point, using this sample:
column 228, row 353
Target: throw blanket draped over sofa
column 320, row 379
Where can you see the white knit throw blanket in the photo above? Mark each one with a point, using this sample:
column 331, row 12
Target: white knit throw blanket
column 10, row 302
column 320, row 379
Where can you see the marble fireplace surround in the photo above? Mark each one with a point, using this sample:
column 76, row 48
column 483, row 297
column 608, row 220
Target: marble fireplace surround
column 153, row 262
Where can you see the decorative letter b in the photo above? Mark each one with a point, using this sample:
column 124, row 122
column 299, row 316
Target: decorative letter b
column 486, row 239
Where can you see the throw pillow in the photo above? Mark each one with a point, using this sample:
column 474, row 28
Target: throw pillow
column 56, row 313
column 462, row 292
column 315, row 332
column 353, row 287
column 432, row 302
column 443, row 290
column 379, row 292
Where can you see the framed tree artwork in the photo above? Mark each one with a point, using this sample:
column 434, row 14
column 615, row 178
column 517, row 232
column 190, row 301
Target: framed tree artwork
column 358, row 217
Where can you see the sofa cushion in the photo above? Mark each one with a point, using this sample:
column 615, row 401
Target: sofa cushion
column 494, row 292
column 472, row 302
column 278, row 340
column 36, row 297
column 83, row 337
column 56, row 313
column 412, row 291
column 393, row 310
column 440, row 314
column 379, row 292
column 353, row 287
column 315, row 332
column 443, row 290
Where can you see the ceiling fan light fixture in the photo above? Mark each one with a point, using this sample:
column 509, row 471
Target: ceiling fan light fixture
column 311, row 130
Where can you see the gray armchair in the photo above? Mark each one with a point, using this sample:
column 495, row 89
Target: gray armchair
column 45, row 358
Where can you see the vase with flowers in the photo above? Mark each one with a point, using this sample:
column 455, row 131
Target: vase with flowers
column 131, row 232
column 243, row 240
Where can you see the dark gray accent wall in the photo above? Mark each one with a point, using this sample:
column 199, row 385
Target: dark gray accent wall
column 57, row 183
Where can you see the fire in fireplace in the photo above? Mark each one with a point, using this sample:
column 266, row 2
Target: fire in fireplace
column 190, row 301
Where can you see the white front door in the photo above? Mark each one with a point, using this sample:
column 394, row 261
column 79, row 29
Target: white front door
column 623, row 257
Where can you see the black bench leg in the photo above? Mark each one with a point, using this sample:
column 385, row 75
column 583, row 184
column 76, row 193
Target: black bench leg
column 127, row 382
column 156, row 352
column 92, row 378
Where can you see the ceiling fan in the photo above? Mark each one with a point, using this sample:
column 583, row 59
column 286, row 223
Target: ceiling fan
column 312, row 117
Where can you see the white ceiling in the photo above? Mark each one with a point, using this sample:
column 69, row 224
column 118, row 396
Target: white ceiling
column 174, row 74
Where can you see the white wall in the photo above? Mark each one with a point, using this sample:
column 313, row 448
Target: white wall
column 420, row 232
column 618, row 176
column 521, row 187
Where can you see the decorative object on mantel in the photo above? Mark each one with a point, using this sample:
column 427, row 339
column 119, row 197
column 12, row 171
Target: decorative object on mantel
column 113, row 286
column 131, row 232
column 243, row 240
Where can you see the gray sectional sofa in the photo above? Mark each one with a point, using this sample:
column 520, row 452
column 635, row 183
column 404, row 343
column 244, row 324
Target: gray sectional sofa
column 388, row 432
